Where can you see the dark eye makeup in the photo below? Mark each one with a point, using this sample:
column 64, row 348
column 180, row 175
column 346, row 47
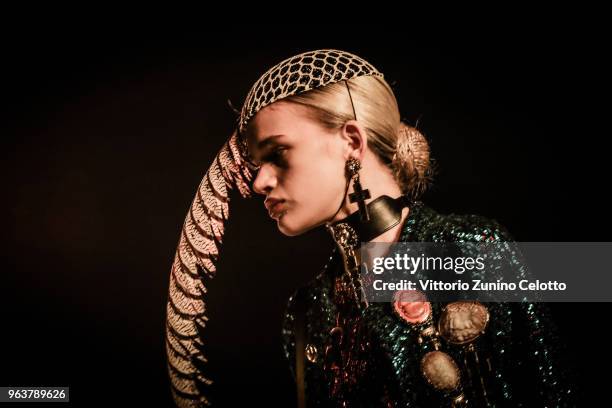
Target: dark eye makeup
column 275, row 157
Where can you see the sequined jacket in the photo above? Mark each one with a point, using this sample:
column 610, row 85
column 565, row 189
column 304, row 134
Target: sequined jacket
column 520, row 340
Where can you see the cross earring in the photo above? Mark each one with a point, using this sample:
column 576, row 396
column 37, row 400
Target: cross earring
column 359, row 195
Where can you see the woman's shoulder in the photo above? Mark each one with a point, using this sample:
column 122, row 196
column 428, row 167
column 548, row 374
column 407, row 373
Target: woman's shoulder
column 425, row 224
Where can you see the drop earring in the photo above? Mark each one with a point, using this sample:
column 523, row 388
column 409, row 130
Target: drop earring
column 359, row 195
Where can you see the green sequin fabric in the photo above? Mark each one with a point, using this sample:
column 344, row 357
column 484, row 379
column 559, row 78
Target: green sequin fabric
column 519, row 343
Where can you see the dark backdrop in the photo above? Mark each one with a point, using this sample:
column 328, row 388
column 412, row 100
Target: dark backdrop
column 109, row 128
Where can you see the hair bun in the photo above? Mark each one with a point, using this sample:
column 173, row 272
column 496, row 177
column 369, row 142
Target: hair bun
column 411, row 162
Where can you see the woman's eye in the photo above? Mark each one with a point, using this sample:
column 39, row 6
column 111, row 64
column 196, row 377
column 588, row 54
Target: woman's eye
column 277, row 156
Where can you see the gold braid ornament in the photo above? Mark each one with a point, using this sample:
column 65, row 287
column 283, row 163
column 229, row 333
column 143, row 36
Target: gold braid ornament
column 195, row 261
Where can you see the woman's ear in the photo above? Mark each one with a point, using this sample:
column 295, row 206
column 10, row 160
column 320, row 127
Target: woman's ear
column 355, row 139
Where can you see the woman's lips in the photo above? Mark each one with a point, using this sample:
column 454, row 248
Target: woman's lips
column 275, row 207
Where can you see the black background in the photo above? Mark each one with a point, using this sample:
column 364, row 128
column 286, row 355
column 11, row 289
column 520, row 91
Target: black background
column 108, row 129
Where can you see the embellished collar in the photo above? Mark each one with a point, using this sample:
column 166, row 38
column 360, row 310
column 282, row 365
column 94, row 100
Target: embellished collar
column 385, row 213
column 408, row 231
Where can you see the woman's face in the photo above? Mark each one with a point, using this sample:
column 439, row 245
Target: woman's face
column 302, row 165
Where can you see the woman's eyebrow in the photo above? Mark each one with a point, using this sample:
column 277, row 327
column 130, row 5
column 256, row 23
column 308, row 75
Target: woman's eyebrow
column 268, row 141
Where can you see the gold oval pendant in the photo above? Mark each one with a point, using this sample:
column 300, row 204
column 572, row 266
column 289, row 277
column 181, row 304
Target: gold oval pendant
column 441, row 371
column 463, row 322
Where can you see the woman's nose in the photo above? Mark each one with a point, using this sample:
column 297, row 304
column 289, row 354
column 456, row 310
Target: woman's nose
column 265, row 180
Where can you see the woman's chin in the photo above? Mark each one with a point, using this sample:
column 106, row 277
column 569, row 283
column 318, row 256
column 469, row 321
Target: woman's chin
column 286, row 227
column 290, row 232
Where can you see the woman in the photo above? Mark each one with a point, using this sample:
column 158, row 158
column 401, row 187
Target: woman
column 322, row 132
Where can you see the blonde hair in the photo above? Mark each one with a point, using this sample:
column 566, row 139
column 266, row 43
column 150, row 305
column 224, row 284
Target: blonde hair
column 399, row 146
